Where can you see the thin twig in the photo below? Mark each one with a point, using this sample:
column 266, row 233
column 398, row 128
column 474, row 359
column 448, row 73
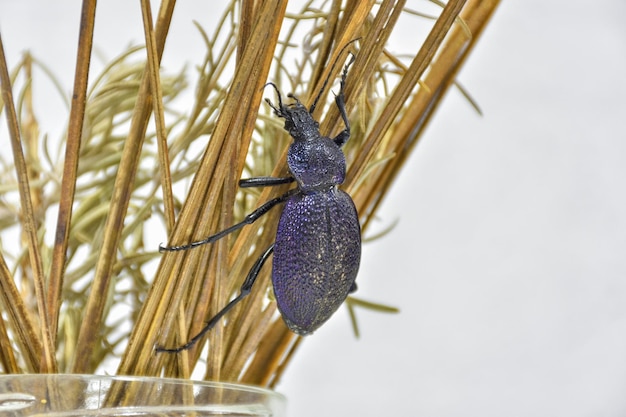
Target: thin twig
column 48, row 362
column 159, row 113
column 70, row 166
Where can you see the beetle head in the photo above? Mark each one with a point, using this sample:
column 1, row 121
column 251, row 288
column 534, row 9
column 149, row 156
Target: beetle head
column 298, row 121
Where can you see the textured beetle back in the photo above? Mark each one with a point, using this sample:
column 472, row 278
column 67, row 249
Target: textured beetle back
column 316, row 257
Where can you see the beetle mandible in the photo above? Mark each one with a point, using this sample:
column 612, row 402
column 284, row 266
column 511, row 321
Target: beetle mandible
column 318, row 240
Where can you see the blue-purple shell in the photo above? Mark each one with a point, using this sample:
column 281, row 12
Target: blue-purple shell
column 316, row 257
column 318, row 241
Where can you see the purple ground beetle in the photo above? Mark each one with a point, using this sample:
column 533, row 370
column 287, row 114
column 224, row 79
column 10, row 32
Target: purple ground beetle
column 318, row 241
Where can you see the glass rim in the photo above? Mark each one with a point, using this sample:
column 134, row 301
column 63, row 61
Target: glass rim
column 180, row 381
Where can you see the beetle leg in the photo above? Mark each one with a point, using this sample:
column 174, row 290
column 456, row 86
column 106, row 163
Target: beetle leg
column 245, row 289
column 249, row 219
column 344, row 135
column 264, row 181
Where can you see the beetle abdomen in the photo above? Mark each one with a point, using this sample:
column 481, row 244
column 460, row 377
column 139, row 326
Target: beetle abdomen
column 316, row 257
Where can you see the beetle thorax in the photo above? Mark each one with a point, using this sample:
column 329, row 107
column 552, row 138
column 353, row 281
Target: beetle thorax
column 316, row 164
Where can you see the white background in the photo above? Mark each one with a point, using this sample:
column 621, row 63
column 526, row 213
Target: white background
column 508, row 261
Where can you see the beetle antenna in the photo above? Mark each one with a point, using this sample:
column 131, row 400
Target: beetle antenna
column 319, row 95
column 294, row 98
column 277, row 110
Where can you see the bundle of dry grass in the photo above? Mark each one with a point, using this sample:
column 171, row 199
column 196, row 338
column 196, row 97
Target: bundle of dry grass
column 106, row 183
